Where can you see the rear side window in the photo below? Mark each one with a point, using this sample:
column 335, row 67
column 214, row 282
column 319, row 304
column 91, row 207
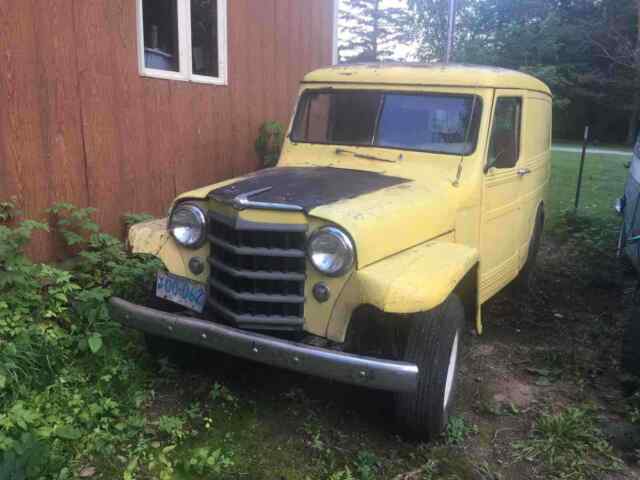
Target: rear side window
column 504, row 149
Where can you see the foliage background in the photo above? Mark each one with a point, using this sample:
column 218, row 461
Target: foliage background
column 588, row 51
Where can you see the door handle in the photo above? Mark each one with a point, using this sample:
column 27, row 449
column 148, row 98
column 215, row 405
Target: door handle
column 523, row 171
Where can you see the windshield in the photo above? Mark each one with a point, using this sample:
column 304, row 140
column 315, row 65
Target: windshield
column 439, row 123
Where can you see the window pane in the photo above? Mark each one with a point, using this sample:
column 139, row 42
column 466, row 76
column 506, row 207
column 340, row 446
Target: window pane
column 160, row 18
column 204, row 37
column 343, row 118
column 504, row 149
column 434, row 123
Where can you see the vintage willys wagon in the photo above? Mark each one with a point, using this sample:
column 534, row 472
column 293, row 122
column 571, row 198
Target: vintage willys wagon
column 404, row 198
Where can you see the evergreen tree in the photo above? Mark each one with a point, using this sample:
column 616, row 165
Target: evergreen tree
column 371, row 30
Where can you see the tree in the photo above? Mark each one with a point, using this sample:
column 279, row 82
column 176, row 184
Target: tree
column 616, row 36
column 371, row 30
column 588, row 51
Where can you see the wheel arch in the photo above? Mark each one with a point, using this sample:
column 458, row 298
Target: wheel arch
column 419, row 282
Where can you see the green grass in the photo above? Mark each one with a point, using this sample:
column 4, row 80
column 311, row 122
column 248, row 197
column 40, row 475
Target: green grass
column 602, row 183
column 570, row 445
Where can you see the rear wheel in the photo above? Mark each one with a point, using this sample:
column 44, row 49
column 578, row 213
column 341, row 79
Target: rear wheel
column 434, row 343
column 631, row 342
column 522, row 283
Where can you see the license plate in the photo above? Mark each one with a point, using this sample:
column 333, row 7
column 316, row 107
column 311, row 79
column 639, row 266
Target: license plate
column 182, row 291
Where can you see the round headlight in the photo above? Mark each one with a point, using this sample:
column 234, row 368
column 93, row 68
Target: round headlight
column 188, row 225
column 331, row 251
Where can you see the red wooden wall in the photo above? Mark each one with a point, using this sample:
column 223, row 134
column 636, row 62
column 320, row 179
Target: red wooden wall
column 79, row 124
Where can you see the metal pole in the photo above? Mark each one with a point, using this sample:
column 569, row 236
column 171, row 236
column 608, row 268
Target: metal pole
column 452, row 21
column 584, row 154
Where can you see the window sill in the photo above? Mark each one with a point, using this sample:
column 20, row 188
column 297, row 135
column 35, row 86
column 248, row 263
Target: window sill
column 179, row 77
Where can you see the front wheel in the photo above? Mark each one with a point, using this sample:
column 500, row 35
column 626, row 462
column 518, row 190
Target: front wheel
column 434, row 343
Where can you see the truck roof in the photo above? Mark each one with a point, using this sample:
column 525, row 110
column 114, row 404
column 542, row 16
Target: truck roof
column 427, row 74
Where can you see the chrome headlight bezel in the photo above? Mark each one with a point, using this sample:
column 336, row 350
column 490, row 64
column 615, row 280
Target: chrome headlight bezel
column 344, row 243
column 200, row 218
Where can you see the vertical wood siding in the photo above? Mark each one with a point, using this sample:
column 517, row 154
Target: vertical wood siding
column 79, row 124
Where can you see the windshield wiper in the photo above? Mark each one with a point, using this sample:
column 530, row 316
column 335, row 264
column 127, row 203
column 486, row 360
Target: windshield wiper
column 367, row 157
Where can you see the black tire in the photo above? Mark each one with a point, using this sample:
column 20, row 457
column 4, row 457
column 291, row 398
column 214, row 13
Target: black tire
column 631, row 342
column 430, row 344
column 179, row 354
column 522, row 283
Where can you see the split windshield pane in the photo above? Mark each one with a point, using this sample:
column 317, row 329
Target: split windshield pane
column 439, row 123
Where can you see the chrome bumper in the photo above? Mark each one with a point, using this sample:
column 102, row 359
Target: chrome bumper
column 343, row 367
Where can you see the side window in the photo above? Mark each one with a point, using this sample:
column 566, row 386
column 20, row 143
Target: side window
column 183, row 40
column 504, row 149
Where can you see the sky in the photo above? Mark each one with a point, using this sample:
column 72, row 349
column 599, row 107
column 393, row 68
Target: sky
column 403, row 51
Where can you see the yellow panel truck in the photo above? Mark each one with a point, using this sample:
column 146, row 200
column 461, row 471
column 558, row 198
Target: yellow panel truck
column 405, row 197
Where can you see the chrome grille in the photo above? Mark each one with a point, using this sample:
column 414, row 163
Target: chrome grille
column 257, row 273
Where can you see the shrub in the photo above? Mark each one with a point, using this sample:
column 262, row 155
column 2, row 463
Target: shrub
column 69, row 388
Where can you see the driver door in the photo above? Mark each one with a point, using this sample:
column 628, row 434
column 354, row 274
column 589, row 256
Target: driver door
column 501, row 210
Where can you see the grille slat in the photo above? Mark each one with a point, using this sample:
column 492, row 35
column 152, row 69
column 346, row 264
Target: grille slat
column 257, row 251
column 257, row 273
column 255, row 297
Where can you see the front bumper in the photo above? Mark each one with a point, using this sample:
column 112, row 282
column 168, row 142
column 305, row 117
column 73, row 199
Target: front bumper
column 343, row 367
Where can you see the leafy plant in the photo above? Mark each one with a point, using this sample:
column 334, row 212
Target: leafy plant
column 133, row 218
column 103, row 261
column 458, row 429
column 366, row 465
column 172, row 426
column 269, row 143
column 67, row 379
column 8, row 211
column 344, row 474
column 26, row 459
column 208, row 460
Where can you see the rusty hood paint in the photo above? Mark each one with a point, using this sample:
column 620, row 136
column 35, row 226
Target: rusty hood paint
column 305, row 187
column 386, row 222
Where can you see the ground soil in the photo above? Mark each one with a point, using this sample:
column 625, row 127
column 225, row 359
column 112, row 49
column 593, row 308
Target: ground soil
column 557, row 347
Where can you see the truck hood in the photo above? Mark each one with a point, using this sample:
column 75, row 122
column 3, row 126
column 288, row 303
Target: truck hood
column 384, row 214
column 389, row 221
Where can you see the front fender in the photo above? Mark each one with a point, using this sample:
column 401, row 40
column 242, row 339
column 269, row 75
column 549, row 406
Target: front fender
column 152, row 238
column 416, row 280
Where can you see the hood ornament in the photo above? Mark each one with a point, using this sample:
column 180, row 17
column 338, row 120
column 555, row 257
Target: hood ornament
column 243, row 201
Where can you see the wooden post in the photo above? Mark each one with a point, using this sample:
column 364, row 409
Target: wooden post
column 584, row 154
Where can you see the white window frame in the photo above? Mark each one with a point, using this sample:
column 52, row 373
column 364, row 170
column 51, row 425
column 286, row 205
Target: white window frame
column 185, row 51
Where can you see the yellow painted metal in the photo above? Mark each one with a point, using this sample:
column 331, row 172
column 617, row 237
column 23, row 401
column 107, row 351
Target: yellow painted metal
column 438, row 75
column 153, row 238
column 416, row 240
column 416, row 280
column 511, row 196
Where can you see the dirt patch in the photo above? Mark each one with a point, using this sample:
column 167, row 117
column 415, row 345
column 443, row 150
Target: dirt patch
column 513, row 392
